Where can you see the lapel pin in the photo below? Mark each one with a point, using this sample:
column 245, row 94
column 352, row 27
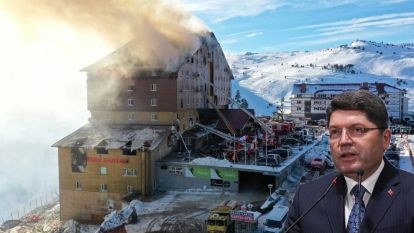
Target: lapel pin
column 391, row 192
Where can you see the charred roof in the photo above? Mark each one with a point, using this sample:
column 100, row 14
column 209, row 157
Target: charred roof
column 115, row 137
column 129, row 58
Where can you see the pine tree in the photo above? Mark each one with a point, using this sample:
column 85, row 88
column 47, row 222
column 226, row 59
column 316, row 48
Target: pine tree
column 244, row 104
column 280, row 110
column 237, row 99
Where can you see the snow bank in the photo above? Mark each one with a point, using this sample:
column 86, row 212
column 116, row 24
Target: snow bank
column 211, row 162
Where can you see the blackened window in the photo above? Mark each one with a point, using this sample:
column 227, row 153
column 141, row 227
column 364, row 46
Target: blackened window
column 126, row 150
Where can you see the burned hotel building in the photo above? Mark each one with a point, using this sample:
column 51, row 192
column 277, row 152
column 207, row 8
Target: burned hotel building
column 134, row 105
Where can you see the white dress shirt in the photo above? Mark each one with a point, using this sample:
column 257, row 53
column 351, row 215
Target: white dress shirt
column 369, row 185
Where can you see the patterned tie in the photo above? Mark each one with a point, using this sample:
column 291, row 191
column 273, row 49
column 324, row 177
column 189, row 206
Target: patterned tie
column 358, row 210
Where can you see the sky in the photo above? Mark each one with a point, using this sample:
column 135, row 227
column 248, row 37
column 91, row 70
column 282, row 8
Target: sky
column 291, row 25
column 45, row 44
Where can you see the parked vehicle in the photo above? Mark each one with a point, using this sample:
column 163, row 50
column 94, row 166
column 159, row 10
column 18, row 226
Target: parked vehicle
column 272, row 160
column 219, row 220
column 405, row 130
column 287, row 147
column 410, row 123
column 283, row 152
column 322, row 122
column 290, row 141
column 392, row 154
column 395, row 129
column 270, row 202
column 276, row 218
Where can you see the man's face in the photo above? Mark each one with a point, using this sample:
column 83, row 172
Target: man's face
column 351, row 153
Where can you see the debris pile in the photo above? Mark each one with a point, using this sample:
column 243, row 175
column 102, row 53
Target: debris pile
column 119, row 218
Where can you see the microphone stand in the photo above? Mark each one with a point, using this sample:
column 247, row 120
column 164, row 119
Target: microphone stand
column 333, row 182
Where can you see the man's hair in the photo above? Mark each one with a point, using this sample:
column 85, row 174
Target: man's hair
column 361, row 100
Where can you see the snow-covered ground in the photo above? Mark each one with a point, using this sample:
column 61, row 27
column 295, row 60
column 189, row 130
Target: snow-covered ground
column 184, row 210
column 270, row 76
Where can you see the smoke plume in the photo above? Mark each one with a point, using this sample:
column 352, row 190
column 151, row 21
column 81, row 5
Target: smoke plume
column 44, row 44
column 161, row 29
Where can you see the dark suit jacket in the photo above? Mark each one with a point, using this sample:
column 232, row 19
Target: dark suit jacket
column 390, row 208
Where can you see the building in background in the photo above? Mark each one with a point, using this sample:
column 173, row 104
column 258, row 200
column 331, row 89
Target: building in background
column 311, row 100
column 135, row 109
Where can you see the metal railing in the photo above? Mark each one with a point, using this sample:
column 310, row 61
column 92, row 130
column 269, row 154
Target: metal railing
column 29, row 208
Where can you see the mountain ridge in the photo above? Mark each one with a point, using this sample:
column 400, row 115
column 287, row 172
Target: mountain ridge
column 270, row 76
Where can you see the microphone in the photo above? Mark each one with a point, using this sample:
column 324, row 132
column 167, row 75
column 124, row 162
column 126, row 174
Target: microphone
column 360, row 173
column 333, row 182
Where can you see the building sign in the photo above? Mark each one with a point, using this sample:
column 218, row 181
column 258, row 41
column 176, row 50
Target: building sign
column 201, row 172
column 106, row 160
column 242, row 215
column 222, row 173
column 219, row 183
column 228, row 174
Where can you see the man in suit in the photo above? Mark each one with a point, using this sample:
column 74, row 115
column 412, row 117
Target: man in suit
column 383, row 197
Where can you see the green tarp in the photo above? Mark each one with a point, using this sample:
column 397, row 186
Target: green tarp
column 228, row 174
column 201, row 172
column 223, row 173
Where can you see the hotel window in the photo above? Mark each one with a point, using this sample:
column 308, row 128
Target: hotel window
column 131, row 87
column 130, row 172
column 104, row 187
column 190, row 122
column 131, row 116
column 78, row 185
column 127, row 150
column 130, row 189
column 130, row 102
column 175, row 170
column 154, row 117
column 104, row 171
column 153, row 87
column 101, row 151
column 187, row 141
column 153, row 102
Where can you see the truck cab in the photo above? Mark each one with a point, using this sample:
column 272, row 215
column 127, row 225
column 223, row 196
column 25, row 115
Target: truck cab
column 219, row 220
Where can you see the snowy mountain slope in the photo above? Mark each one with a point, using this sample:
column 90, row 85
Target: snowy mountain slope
column 271, row 76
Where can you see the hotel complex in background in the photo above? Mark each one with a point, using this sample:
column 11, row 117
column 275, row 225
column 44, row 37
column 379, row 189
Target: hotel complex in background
column 311, row 100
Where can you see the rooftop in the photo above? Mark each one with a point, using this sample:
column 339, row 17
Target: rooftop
column 115, row 136
column 336, row 88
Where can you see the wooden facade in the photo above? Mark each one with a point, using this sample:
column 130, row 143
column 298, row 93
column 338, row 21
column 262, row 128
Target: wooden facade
column 89, row 195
